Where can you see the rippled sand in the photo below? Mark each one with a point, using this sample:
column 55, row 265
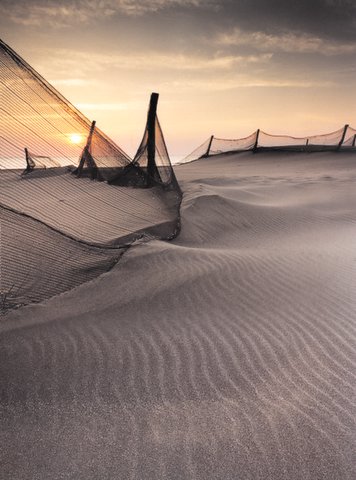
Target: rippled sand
column 228, row 353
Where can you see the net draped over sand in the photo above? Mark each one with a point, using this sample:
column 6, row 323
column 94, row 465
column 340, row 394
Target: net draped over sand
column 52, row 215
column 226, row 354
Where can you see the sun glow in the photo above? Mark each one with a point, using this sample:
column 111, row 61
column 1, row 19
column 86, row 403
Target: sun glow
column 75, row 138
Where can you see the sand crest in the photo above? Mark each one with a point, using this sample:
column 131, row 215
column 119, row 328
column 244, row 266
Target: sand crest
column 227, row 353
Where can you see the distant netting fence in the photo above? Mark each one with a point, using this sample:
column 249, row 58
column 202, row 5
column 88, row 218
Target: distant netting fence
column 53, row 216
column 343, row 139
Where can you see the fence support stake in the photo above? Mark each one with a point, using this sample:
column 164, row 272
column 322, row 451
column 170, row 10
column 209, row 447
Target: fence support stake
column 256, row 141
column 343, row 137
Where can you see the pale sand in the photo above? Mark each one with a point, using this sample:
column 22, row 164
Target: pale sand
column 228, row 353
column 93, row 212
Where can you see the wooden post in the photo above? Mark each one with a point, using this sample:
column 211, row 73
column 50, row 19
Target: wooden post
column 90, row 136
column 30, row 164
column 151, row 136
column 27, row 158
column 86, row 150
column 209, row 146
column 353, row 141
column 256, row 141
column 343, row 137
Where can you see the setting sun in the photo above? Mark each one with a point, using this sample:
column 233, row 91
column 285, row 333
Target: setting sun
column 75, row 138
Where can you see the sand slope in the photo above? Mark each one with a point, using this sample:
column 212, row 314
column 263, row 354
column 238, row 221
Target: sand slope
column 228, row 353
column 58, row 231
column 92, row 212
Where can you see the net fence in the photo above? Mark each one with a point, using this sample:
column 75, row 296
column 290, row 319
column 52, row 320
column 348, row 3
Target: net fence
column 341, row 139
column 71, row 200
column 149, row 167
column 350, row 138
column 42, row 120
column 220, row 145
column 38, row 262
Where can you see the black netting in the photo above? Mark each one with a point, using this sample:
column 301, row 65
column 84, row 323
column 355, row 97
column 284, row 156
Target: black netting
column 220, row 145
column 102, row 156
column 343, row 138
column 328, row 140
column 51, row 219
column 267, row 140
column 331, row 139
column 165, row 172
column 350, row 138
column 36, row 115
column 38, row 162
column 199, row 152
column 38, row 262
column 149, row 167
column 42, row 120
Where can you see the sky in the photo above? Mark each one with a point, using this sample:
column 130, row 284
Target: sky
column 221, row 67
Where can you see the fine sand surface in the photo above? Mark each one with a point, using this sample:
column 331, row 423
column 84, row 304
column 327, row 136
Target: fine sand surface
column 93, row 212
column 228, row 353
column 58, row 231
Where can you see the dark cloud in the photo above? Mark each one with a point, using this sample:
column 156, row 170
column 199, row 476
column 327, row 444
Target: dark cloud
column 286, row 37
column 203, row 55
column 335, row 19
column 179, row 19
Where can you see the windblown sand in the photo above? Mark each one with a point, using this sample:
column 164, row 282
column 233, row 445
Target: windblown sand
column 58, row 231
column 228, row 353
column 93, row 212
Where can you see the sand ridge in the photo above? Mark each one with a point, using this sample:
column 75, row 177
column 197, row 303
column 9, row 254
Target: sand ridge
column 58, row 231
column 227, row 353
column 93, row 212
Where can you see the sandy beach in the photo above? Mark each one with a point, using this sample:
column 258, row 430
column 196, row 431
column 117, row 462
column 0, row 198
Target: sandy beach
column 227, row 353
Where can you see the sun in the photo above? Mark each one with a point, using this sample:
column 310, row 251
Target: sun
column 75, row 138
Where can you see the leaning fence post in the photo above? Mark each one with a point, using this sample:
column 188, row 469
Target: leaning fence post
column 256, row 141
column 30, row 164
column 151, row 136
column 27, row 158
column 84, row 156
column 342, row 137
column 209, row 146
column 90, row 136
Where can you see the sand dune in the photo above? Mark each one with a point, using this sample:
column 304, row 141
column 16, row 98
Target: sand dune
column 59, row 231
column 228, row 353
column 93, row 212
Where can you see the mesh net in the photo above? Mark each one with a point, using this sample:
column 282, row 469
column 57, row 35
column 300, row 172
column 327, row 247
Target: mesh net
column 267, row 140
column 52, row 220
column 37, row 262
column 149, row 168
column 163, row 173
column 279, row 141
column 220, row 145
column 343, row 138
column 42, row 120
column 331, row 139
column 35, row 162
column 350, row 138
column 199, row 152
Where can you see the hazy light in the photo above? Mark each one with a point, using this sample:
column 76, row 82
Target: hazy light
column 75, row 138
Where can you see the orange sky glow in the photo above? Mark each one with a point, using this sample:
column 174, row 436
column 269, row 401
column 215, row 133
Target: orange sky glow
column 220, row 67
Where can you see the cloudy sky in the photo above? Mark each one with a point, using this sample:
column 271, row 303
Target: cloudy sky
column 224, row 67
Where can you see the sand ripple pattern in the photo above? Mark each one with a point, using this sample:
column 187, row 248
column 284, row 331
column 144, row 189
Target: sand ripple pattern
column 229, row 353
